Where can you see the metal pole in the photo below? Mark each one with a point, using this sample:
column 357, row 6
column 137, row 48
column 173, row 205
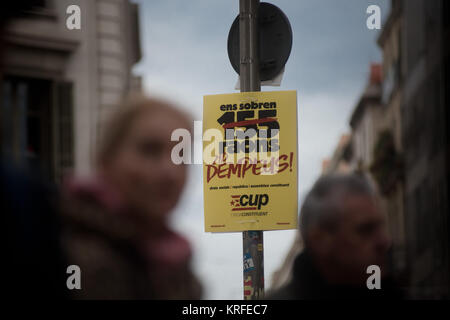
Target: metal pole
column 249, row 45
column 253, row 246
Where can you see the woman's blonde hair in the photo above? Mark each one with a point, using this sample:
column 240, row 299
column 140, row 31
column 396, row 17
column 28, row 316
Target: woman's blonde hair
column 120, row 122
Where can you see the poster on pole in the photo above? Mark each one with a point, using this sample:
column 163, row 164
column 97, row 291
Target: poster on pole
column 250, row 175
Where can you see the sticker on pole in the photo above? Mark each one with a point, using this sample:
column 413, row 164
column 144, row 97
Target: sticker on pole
column 248, row 262
column 250, row 161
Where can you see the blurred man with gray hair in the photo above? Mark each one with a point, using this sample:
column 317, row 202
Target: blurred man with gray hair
column 344, row 232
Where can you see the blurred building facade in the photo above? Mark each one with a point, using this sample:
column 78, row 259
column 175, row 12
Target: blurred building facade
column 60, row 84
column 400, row 140
column 424, row 80
column 387, row 167
column 340, row 161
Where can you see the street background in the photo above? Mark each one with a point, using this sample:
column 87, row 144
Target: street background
column 184, row 46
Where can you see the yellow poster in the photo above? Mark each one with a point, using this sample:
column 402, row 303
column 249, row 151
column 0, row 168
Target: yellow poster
column 250, row 161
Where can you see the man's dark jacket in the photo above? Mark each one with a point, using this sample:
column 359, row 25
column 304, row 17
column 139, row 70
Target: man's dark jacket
column 308, row 284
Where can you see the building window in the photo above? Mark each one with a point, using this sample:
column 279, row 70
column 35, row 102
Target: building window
column 37, row 130
column 40, row 9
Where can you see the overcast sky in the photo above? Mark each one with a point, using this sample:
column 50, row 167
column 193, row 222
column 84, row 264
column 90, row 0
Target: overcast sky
column 185, row 57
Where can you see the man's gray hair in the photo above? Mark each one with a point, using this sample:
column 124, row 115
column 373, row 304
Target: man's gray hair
column 323, row 202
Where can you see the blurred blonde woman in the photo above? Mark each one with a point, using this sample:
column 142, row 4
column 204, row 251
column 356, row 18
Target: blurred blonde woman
column 116, row 222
